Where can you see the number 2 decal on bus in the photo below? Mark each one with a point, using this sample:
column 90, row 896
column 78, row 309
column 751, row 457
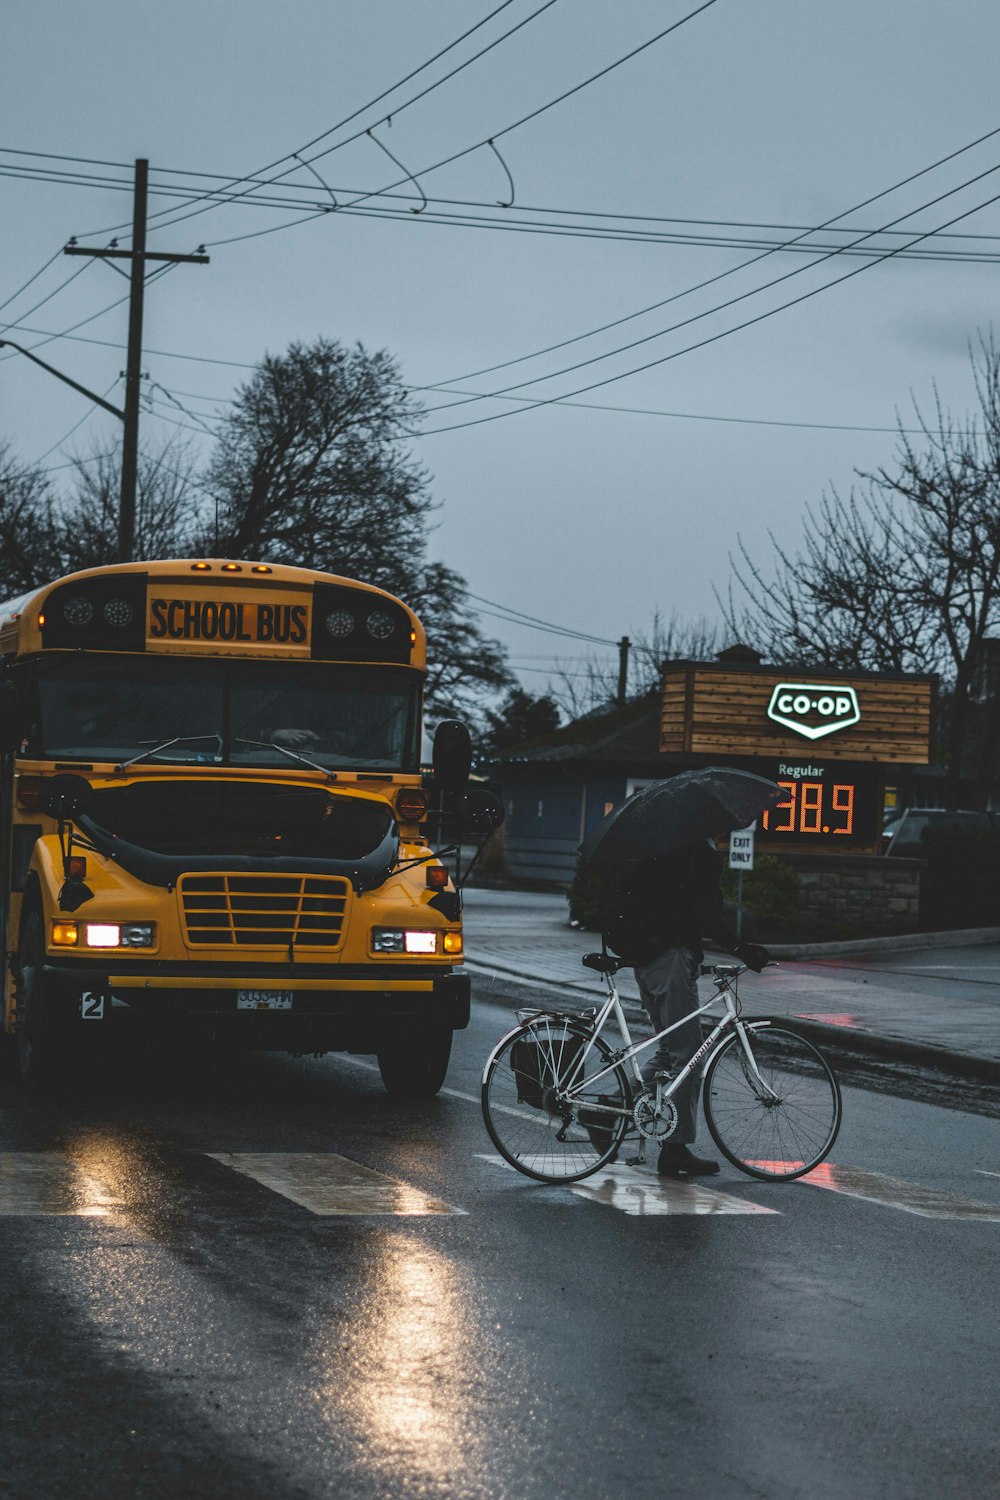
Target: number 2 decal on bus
column 91, row 1006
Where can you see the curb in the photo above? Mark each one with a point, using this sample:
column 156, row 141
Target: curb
column 833, row 1038
column 633, row 1011
column 920, row 1054
column 960, row 937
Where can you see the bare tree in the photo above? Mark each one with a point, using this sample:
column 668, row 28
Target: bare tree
column 26, row 524
column 312, row 467
column 670, row 639
column 904, row 574
column 44, row 534
column 171, row 509
column 582, row 689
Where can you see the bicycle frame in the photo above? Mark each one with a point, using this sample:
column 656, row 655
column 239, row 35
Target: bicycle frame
column 724, row 977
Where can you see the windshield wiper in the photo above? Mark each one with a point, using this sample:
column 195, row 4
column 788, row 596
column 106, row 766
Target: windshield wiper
column 292, row 755
column 154, row 749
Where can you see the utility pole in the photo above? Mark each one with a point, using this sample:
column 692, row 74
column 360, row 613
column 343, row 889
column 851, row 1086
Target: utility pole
column 623, row 646
column 138, row 255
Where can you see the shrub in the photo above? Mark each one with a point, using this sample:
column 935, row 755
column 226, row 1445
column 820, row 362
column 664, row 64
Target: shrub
column 770, row 892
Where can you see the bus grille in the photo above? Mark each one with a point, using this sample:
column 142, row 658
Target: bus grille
column 264, row 911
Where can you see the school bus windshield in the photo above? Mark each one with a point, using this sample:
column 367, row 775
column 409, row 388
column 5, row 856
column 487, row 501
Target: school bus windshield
column 239, row 713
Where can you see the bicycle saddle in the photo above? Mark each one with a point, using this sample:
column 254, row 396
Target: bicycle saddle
column 602, row 962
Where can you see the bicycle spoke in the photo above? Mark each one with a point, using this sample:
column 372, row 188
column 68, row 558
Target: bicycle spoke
column 546, row 1110
column 787, row 1131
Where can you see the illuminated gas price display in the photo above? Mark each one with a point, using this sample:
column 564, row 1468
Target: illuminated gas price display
column 830, row 805
column 811, row 807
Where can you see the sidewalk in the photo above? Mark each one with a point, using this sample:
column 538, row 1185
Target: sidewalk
column 932, row 1000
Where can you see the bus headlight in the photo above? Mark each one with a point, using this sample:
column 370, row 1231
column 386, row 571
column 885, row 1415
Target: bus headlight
column 138, row 934
column 403, row 940
column 121, row 934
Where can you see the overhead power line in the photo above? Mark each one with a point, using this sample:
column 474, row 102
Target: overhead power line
column 690, row 416
column 48, row 298
column 732, row 270
column 201, row 359
column 85, row 418
column 370, row 104
column 724, row 333
column 301, row 160
column 49, row 338
column 515, row 617
column 25, row 286
column 516, row 125
column 741, row 297
column 192, row 192
column 973, row 251
column 684, row 229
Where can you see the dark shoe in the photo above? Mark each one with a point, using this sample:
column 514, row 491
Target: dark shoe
column 600, row 1127
column 680, row 1161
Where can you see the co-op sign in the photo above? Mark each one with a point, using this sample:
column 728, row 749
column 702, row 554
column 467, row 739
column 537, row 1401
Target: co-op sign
column 813, row 710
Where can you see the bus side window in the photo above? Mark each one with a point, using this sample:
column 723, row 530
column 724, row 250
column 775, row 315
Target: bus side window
column 25, row 837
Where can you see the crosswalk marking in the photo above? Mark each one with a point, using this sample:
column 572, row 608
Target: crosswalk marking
column 892, row 1192
column 328, row 1184
column 51, row 1183
column 633, row 1191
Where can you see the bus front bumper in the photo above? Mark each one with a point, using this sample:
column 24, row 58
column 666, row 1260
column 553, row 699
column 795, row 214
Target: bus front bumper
column 270, row 1006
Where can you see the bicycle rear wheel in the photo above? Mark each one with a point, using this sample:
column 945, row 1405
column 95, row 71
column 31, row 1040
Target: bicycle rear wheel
column 782, row 1123
column 531, row 1122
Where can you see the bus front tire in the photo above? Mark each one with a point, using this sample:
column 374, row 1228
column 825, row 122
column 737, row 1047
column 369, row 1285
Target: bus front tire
column 415, row 1067
column 41, row 1059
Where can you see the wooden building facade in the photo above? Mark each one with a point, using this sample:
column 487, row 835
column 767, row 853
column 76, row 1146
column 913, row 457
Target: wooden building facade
column 842, row 746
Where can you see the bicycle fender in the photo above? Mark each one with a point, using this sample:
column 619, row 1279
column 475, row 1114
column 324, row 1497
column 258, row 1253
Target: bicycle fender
column 756, row 1024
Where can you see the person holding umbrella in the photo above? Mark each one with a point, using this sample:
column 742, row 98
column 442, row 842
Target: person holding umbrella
column 662, row 874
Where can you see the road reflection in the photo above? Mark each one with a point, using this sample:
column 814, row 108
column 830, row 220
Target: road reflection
column 44, row 1182
column 415, row 1372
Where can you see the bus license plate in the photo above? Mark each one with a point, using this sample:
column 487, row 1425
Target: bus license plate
column 264, row 999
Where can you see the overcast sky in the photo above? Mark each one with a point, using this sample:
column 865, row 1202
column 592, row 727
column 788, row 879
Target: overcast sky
column 781, row 113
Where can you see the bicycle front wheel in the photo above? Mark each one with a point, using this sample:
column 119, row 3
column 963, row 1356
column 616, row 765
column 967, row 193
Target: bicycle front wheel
column 775, row 1113
column 555, row 1109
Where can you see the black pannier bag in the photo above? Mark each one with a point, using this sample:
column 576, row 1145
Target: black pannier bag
column 536, row 1063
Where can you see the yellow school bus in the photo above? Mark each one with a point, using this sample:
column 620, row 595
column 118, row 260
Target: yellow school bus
column 213, row 824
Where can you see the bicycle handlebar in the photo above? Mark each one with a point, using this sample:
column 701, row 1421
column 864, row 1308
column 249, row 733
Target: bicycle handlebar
column 732, row 971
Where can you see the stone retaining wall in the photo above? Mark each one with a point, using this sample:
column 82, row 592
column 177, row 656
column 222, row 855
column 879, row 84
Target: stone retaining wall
column 872, row 895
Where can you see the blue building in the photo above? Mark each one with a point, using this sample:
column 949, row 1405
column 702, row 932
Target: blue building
column 557, row 788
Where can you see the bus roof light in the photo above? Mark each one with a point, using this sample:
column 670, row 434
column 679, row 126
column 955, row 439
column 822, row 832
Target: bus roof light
column 232, row 568
column 261, row 568
column 201, row 567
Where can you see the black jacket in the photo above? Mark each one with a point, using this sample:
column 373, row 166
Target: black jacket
column 671, row 902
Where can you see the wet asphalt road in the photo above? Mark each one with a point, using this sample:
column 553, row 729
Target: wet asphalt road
column 198, row 1334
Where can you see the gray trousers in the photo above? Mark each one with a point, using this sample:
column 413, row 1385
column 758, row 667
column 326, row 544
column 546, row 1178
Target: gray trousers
column 669, row 990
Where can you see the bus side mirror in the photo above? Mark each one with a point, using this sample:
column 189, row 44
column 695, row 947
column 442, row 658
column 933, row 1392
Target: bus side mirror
column 11, row 731
column 479, row 813
column 452, row 758
column 65, row 796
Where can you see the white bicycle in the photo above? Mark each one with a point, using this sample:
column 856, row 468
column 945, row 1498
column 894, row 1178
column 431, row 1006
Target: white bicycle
column 559, row 1100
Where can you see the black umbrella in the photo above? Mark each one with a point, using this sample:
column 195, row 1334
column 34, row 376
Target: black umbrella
column 668, row 814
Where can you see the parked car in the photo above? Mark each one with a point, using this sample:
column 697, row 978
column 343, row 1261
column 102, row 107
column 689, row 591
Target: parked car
column 911, row 833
